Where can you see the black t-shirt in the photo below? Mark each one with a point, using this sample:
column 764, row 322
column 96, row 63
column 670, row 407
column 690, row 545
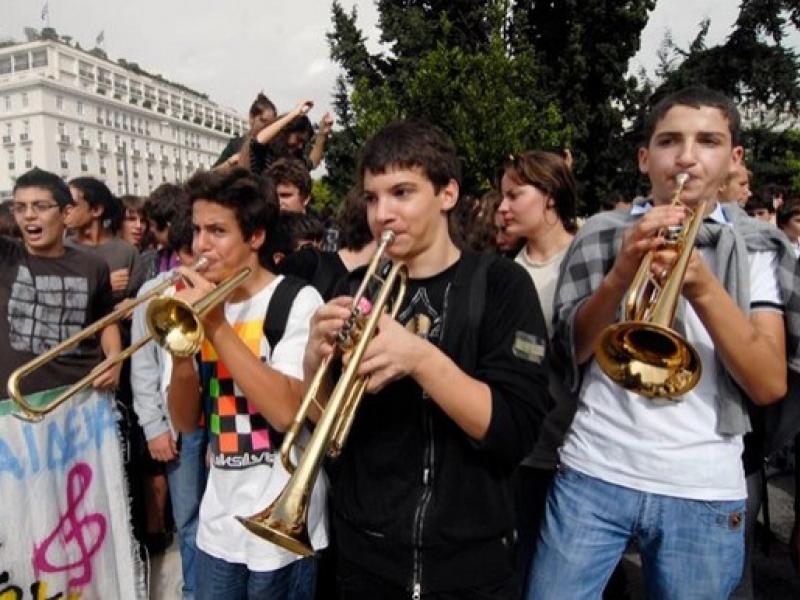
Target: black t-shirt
column 233, row 147
column 323, row 270
column 44, row 301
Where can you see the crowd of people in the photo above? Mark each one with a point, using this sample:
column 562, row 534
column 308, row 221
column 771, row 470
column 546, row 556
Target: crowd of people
column 492, row 456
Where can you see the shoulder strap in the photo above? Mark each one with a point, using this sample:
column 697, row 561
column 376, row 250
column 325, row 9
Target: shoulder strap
column 278, row 308
column 461, row 335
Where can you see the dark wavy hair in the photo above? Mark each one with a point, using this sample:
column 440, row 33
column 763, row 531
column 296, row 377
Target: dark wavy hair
column 96, row 193
column 251, row 197
column 46, row 180
column 549, row 173
column 352, row 222
column 412, row 144
column 164, row 202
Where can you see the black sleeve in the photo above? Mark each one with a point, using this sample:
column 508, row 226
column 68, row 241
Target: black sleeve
column 511, row 360
column 302, row 264
column 232, row 148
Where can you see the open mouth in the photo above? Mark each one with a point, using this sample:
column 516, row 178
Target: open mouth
column 33, row 232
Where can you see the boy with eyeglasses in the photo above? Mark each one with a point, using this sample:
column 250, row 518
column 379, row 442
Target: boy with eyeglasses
column 49, row 292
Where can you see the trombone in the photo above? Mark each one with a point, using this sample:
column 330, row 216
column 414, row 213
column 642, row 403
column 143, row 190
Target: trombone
column 284, row 522
column 643, row 353
column 172, row 323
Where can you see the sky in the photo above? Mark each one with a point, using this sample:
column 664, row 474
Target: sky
column 232, row 50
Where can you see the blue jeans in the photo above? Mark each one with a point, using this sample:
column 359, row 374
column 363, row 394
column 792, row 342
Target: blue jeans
column 689, row 548
column 186, row 477
column 218, row 579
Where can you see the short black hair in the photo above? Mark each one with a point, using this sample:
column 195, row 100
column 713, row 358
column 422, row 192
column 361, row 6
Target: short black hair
column 788, row 209
column 352, row 222
column 96, row 193
column 181, row 231
column 260, row 104
column 412, row 144
column 758, row 202
column 291, row 171
column 164, row 202
column 51, row 182
column 251, row 197
column 695, row 96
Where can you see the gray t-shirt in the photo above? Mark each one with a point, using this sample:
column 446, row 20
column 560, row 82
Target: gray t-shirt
column 118, row 254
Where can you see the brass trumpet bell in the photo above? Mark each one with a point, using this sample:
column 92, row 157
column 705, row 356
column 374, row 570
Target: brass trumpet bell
column 649, row 359
column 175, row 326
column 643, row 353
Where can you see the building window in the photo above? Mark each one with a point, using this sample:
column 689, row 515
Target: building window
column 84, row 163
column 28, row 158
column 24, row 100
column 80, row 108
column 11, row 165
column 60, row 102
column 39, row 58
column 21, row 62
column 61, row 129
column 8, row 102
column 5, row 65
column 62, row 154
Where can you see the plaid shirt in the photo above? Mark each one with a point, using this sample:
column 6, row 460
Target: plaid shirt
column 592, row 255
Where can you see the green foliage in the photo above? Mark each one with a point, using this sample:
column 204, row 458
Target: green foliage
column 323, row 197
column 760, row 74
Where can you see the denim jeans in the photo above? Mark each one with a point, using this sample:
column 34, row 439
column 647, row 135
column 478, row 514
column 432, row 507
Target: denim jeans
column 218, row 579
column 689, row 548
column 186, row 477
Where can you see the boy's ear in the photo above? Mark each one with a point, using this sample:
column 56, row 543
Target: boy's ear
column 737, row 155
column 96, row 211
column 257, row 239
column 643, row 158
column 449, row 195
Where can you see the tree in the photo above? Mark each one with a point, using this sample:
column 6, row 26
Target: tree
column 449, row 63
column 584, row 47
column 759, row 73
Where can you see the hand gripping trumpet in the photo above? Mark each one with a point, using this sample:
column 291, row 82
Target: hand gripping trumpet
column 643, row 353
column 172, row 323
column 284, row 522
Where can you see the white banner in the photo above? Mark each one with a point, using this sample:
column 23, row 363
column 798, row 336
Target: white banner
column 64, row 516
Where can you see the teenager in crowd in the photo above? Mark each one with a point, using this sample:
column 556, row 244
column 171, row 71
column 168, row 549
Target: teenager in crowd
column 666, row 473
column 262, row 113
column 250, row 392
column 422, row 501
column 161, row 206
column 183, row 455
column 39, row 277
column 293, row 184
column 92, row 217
column 539, row 198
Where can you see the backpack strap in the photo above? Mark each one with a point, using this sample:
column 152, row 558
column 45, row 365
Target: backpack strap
column 278, row 309
column 460, row 340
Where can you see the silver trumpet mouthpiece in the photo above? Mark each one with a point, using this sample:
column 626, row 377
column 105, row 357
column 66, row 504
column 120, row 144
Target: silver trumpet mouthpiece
column 201, row 264
column 681, row 179
column 388, row 236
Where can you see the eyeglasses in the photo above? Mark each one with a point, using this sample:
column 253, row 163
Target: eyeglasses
column 38, row 207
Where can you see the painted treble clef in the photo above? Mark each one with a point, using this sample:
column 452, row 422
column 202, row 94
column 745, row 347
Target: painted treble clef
column 86, row 534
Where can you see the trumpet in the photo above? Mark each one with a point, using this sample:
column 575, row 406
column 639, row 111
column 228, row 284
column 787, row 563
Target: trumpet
column 643, row 353
column 284, row 522
column 172, row 323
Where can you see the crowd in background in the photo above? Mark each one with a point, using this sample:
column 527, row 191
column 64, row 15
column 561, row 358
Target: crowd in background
column 530, row 216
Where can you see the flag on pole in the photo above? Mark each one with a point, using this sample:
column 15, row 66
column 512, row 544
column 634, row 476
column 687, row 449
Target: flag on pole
column 100, row 38
column 45, row 11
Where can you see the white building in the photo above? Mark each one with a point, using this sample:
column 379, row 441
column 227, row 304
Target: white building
column 75, row 113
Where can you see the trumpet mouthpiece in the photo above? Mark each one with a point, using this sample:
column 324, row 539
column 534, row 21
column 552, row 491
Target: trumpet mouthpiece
column 201, row 264
column 388, row 236
column 681, row 179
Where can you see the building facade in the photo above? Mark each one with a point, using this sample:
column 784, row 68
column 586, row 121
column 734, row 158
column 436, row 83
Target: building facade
column 76, row 113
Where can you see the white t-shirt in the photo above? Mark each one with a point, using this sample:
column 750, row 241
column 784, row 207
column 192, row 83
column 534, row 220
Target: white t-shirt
column 246, row 473
column 545, row 277
column 661, row 446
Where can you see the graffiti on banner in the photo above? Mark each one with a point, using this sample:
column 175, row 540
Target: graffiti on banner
column 64, row 519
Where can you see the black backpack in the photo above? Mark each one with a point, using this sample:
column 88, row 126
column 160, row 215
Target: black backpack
column 278, row 309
